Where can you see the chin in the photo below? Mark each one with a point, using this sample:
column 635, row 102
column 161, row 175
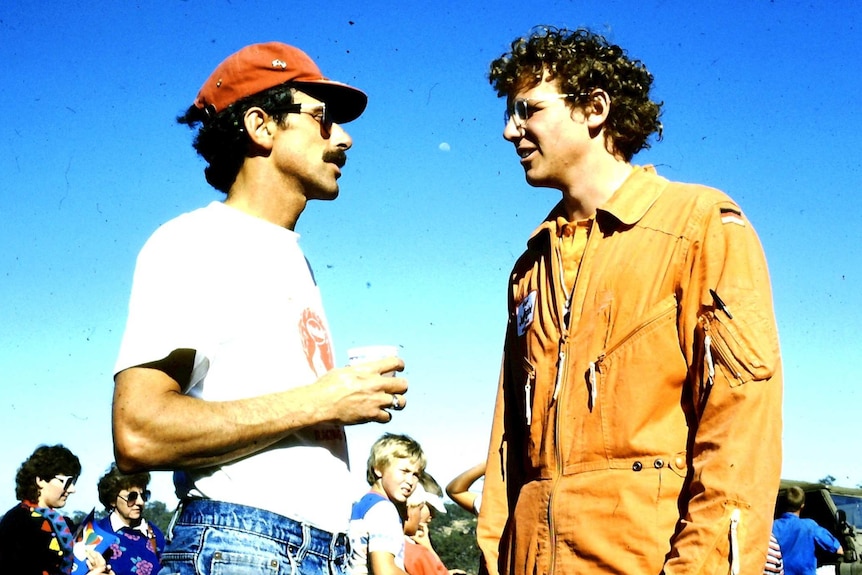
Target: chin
column 535, row 182
column 325, row 195
column 539, row 182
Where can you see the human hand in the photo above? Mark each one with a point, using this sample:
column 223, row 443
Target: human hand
column 96, row 563
column 362, row 393
column 422, row 536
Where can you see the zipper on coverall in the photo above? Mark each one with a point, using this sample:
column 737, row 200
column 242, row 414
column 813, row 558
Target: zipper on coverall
column 562, row 369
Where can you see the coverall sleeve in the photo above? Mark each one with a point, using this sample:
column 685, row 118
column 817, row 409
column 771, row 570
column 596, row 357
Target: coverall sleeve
column 729, row 336
column 498, row 482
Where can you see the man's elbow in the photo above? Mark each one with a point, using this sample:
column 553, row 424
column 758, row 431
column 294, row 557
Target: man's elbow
column 131, row 453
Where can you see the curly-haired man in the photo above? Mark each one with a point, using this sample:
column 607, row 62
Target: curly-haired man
column 638, row 418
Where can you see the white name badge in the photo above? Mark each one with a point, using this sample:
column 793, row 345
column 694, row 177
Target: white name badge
column 525, row 312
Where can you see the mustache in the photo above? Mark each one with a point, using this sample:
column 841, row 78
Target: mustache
column 336, row 156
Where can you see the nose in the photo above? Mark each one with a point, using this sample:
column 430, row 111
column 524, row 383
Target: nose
column 340, row 137
column 512, row 131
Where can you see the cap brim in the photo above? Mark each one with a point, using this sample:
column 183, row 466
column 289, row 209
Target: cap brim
column 344, row 102
column 436, row 502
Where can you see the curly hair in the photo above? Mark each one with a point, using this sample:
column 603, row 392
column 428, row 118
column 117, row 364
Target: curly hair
column 221, row 139
column 114, row 481
column 45, row 462
column 582, row 61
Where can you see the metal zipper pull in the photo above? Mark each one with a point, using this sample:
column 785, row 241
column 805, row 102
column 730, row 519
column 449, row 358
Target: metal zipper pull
column 561, row 359
column 710, row 363
column 734, row 542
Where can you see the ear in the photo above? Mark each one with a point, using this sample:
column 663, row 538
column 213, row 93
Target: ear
column 259, row 126
column 597, row 108
column 40, row 484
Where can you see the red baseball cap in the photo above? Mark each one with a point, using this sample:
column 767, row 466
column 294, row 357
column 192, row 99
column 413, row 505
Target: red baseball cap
column 259, row 67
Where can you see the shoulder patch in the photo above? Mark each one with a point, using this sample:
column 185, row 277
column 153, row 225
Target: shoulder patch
column 732, row 216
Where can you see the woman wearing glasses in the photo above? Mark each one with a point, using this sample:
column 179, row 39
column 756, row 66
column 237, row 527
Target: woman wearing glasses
column 141, row 543
column 35, row 538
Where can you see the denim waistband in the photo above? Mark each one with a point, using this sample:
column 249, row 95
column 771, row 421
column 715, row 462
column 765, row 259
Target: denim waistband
column 263, row 522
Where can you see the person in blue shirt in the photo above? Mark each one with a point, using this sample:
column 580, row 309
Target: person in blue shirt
column 798, row 537
column 140, row 543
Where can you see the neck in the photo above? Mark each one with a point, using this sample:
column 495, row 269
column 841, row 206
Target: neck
column 264, row 195
column 592, row 185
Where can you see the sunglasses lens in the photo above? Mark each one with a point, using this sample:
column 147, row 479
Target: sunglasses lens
column 520, row 110
column 133, row 496
column 68, row 481
column 326, row 119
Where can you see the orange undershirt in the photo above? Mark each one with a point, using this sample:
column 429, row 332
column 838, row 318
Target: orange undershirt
column 573, row 240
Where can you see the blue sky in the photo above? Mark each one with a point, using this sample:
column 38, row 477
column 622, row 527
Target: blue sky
column 761, row 100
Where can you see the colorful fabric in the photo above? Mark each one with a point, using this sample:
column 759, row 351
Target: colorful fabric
column 61, row 529
column 35, row 543
column 135, row 552
column 90, row 537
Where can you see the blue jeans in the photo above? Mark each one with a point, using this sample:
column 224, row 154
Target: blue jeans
column 216, row 538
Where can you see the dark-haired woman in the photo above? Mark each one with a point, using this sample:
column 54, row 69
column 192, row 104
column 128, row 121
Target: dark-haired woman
column 35, row 538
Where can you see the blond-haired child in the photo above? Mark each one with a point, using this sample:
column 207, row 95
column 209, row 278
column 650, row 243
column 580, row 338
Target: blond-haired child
column 376, row 529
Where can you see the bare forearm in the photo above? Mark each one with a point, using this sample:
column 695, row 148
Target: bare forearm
column 383, row 563
column 156, row 427
column 458, row 488
column 178, row 430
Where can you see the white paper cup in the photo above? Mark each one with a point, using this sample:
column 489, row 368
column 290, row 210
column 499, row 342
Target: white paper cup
column 366, row 353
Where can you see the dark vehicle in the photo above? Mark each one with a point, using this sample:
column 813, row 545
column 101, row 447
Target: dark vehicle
column 839, row 510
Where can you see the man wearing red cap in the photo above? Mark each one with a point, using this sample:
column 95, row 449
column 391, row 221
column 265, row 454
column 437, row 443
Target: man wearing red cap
column 226, row 372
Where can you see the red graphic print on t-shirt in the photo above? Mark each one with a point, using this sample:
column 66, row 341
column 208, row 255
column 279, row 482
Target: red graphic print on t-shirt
column 316, row 342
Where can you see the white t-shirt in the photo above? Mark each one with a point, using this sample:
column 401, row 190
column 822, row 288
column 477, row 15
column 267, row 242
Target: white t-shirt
column 239, row 291
column 374, row 526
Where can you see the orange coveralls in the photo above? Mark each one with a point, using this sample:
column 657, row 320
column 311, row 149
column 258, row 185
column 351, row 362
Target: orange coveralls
column 655, row 447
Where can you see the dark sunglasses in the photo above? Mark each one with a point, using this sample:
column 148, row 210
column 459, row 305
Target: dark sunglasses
column 133, row 496
column 67, row 480
column 316, row 111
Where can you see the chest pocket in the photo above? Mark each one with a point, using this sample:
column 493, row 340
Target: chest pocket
column 631, row 391
column 737, row 350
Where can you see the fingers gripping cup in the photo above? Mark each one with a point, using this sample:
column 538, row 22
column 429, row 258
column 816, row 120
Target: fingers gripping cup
column 363, row 354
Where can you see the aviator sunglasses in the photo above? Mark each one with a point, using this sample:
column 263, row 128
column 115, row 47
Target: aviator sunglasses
column 133, row 497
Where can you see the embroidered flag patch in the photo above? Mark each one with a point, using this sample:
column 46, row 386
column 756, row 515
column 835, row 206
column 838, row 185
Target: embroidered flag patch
column 525, row 311
column 732, row 216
